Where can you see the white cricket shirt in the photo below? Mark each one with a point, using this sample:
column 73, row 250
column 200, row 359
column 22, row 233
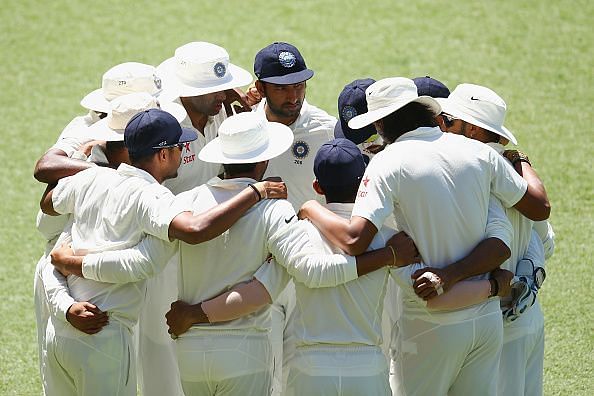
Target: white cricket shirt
column 312, row 129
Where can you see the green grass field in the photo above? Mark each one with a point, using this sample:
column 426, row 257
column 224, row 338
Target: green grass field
column 537, row 55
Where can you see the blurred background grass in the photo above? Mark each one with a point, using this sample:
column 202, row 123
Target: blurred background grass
column 536, row 55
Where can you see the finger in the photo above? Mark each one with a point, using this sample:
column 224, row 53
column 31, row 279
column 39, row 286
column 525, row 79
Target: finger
column 430, row 295
column 418, row 273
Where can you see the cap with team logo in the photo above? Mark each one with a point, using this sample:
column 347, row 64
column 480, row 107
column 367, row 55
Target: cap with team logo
column 338, row 163
column 199, row 68
column 152, row 130
column 122, row 79
column 427, row 86
column 352, row 102
column 479, row 106
column 281, row 63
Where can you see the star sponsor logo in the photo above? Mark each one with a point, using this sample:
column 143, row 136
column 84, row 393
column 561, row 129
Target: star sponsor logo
column 365, row 181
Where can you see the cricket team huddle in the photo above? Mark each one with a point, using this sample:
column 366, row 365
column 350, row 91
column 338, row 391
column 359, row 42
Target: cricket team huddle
column 205, row 240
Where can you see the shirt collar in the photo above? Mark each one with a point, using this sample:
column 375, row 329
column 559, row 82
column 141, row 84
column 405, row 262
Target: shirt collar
column 420, row 132
column 129, row 170
column 231, row 184
column 500, row 148
column 300, row 119
column 344, row 210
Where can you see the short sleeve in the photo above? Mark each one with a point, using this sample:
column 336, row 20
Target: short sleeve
column 506, row 183
column 498, row 224
column 65, row 194
column 273, row 277
column 156, row 210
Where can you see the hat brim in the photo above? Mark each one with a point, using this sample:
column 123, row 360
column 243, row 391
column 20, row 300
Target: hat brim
column 96, row 101
column 451, row 108
column 370, row 117
column 292, row 78
column 280, row 138
column 174, row 88
column 101, row 130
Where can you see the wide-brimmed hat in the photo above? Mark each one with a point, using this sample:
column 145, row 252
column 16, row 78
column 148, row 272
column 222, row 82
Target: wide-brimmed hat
column 281, row 63
column 479, row 106
column 388, row 95
column 122, row 79
column 152, row 130
column 352, row 102
column 199, row 68
column 247, row 138
column 123, row 108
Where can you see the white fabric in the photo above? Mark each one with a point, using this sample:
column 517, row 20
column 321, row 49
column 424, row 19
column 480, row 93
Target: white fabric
column 113, row 210
column 73, row 136
column 312, row 129
column 192, row 171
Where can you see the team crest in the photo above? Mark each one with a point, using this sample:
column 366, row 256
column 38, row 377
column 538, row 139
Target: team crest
column 348, row 112
column 300, row 149
column 286, row 59
column 157, row 81
column 220, row 70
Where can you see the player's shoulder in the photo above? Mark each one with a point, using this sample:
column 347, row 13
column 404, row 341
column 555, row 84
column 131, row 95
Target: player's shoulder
column 316, row 118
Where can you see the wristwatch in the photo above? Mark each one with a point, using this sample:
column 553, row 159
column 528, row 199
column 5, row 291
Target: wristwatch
column 515, row 155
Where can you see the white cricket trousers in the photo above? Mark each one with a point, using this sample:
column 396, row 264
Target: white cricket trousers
column 449, row 357
column 41, row 317
column 85, row 365
column 225, row 362
column 522, row 356
column 338, row 371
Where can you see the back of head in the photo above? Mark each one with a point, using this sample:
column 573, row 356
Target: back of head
column 339, row 167
column 408, row 118
column 428, row 86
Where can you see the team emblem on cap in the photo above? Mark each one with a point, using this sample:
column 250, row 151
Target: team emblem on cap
column 219, row 69
column 300, row 149
column 348, row 112
column 286, row 59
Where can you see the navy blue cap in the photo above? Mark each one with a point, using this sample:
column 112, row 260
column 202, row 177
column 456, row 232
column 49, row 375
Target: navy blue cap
column 154, row 129
column 427, row 86
column 352, row 102
column 281, row 63
column 338, row 163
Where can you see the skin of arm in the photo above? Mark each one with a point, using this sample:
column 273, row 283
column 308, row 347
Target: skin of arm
column 194, row 229
column 353, row 237
column 55, row 165
column 535, row 203
column 46, row 204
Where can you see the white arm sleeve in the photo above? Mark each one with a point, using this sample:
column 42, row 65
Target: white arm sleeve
column 547, row 236
column 56, row 291
column 535, row 251
column 498, row 224
column 142, row 261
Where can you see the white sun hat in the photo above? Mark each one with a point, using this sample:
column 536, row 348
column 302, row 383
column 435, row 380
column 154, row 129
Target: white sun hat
column 479, row 106
column 123, row 108
column 388, row 95
column 200, row 68
column 123, row 79
column 246, row 138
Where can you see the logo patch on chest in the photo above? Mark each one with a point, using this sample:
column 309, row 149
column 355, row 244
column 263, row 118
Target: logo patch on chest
column 300, row 149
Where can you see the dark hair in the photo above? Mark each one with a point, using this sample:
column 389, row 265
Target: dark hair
column 142, row 159
column 238, row 169
column 408, row 118
column 341, row 194
column 117, row 145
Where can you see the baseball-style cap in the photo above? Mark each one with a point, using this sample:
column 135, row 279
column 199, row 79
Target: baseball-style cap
column 199, row 68
column 386, row 96
column 338, row 163
column 122, row 79
column 427, row 86
column 281, row 63
column 154, row 129
column 123, row 108
column 479, row 106
column 247, row 138
column 352, row 102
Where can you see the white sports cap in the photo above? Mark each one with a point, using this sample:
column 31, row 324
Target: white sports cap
column 122, row 79
column 200, row 68
column 246, row 138
column 479, row 106
column 123, row 108
column 388, row 95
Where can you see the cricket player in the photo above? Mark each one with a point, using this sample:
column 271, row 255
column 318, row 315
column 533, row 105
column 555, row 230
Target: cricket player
column 114, row 209
column 63, row 159
column 438, row 187
column 478, row 113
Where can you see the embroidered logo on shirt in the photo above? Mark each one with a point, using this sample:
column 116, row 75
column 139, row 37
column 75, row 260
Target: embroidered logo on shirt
column 219, row 70
column 300, row 149
column 286, row 59
column 289, row 219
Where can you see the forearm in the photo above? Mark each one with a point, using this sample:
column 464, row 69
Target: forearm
column 57, row 293
column 242, row 300
column 462, row 294
column 206, row 226
column 488, row 255
column 55, row 165
column 374, row 260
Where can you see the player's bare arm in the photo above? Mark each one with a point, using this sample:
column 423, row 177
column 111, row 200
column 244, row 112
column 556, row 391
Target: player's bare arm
column 55, row 165
column 353, row 236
